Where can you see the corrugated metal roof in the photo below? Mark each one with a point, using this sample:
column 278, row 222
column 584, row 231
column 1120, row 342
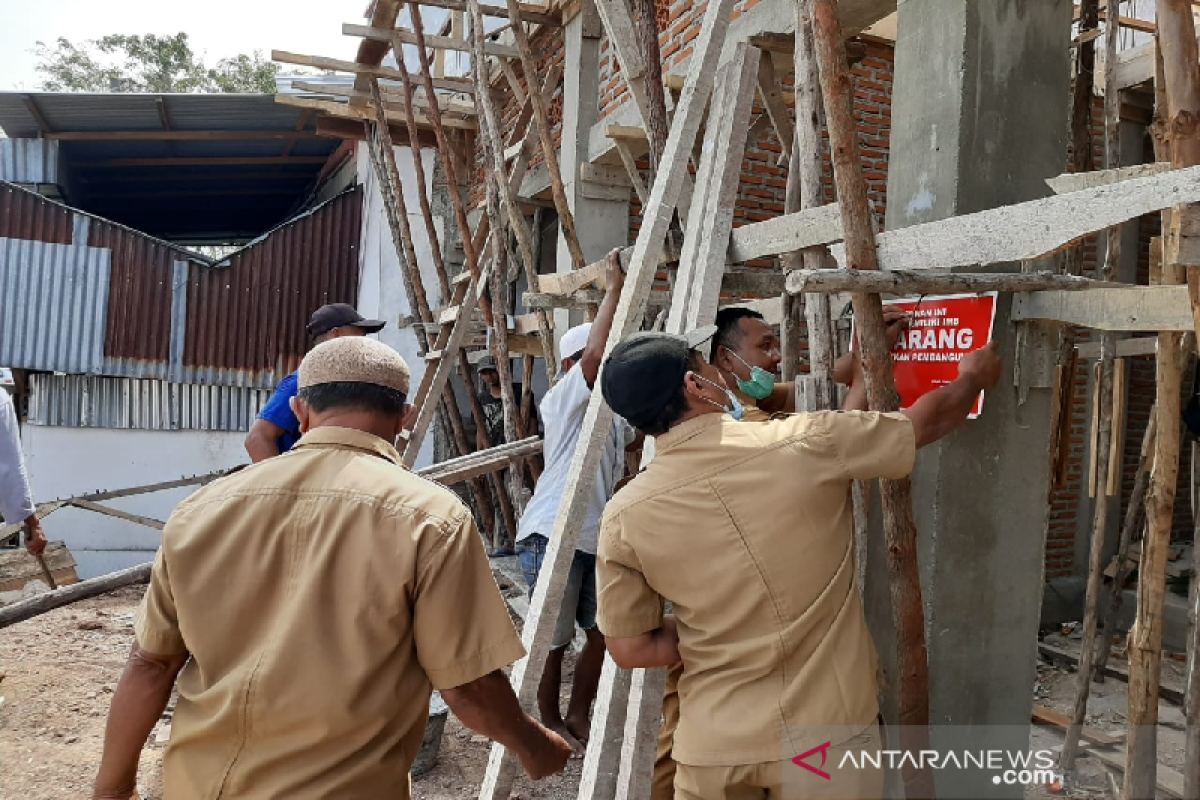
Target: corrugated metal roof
column 89, row 401
column 196, row 167
column 98, row 298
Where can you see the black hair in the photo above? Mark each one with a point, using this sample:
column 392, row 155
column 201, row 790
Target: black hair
column 729, row 331
column 353, row 395
column 675, row 407
column 577, row 357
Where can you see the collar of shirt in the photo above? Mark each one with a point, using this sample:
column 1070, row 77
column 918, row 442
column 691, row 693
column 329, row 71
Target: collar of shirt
column 688, row 429
column 333, row 437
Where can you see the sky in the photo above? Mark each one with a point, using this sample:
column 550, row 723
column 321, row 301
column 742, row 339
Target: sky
column 216, row 28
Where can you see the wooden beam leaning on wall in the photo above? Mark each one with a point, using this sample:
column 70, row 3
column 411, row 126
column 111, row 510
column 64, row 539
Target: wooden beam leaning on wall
column 659, row 211
column 460, row 85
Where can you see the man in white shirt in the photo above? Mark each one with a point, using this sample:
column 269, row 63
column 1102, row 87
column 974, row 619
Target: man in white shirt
column 562, row 411
column 16, row 501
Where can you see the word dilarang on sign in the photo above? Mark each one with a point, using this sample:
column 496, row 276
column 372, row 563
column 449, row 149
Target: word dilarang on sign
column 941, row 331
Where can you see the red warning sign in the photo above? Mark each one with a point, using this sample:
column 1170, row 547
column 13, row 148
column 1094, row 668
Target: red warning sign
column 942, row 330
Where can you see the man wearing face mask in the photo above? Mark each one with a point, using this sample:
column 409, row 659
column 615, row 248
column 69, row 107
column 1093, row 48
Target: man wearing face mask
column 747, row 530
column 747, row 352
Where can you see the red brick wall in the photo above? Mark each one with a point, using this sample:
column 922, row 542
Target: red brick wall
column 548, row 49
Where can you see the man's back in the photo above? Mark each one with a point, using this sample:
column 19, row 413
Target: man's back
column 318, row 593
column 746, row 528
column 562, row 412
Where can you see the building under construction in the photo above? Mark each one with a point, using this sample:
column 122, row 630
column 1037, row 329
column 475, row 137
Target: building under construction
column 463, row 178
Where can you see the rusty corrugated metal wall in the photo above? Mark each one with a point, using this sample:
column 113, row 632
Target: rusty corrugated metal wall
column 82, row 295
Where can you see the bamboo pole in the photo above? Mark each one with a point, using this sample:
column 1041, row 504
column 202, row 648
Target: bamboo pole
column 1104, row 404
column 899, row 526
column 1180, row 86
column 1191, row 694
column 541, row 117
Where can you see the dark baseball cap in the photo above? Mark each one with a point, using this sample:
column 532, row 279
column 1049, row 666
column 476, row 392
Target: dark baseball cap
column 340, row 315
column 644, row 372
column 488, row 362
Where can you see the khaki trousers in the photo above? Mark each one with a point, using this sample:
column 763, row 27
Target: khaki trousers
column 766, row 781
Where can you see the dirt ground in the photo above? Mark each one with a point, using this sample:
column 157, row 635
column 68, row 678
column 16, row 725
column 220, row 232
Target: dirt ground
column 60, row 670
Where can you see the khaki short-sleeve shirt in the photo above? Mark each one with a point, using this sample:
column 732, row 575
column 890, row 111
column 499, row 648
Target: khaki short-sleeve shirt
column 747, row 529
column 322, row 595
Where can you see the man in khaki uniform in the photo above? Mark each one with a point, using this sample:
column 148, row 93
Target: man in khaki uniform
column 320, row 595
column 747, row 530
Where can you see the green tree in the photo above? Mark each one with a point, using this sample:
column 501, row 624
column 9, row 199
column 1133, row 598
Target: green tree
column 150, row 63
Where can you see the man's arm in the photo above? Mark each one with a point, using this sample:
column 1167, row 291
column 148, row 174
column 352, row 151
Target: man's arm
column 658, row 648
column 781, row 400
column 941, row 411
column 262, row 442
column 593, row 354
column 137, row 704
column 489, row 707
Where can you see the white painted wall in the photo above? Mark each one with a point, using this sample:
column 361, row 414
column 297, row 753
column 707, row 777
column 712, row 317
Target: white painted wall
column 67, row 462
column 381, row 292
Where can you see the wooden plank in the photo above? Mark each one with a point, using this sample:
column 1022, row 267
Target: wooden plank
column 626, row 132
column 643, row 722
column 435, row 42
column 530, row 12
column 394, row 97
column 481, row 462
column 48, row 601
column 568, row 282
column 1140, row 346
column 1113, row 483
column 1048, row 716
column 347, row 111
column 594, row 431
column 113, row 512
column 1140, row 308
column 603, row 191
column 986, row 237
column 1074, row 181
column 460, row 85
column 833, row 281
column 603, row 174
column 808, row 228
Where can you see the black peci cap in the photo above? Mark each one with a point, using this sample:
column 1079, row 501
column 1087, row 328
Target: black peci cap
column 486, row 363
column 645, row 371
column 340, row 315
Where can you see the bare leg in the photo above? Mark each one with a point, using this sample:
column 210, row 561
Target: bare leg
column 548, row 691
column 585, row 685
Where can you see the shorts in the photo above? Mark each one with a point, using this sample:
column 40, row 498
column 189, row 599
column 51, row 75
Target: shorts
column 579, row 598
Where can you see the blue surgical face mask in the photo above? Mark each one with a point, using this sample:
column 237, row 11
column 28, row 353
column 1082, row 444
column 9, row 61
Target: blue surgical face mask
column 761, row 382
column 735, row 408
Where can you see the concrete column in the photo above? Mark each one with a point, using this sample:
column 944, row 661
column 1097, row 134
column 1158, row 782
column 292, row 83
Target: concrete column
column 601, row 224
column 979, row 121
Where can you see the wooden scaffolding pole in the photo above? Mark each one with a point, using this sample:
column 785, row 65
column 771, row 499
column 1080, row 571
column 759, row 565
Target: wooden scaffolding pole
column 912, row 677
column 383, row 157
column 506, row 192
column 806, row 189
column 541, row 117
column 1104, row 403
column 547, row 596
column 1180, row 88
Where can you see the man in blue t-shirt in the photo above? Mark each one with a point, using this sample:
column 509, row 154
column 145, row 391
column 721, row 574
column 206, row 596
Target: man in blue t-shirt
column 277, row 429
